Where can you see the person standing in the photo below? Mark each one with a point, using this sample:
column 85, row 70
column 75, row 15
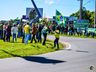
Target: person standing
column 57, row 36
column 39, row 33
column 1, row 30
column 8, row 33
column 27, row 33
column 14, row 32
column 4, row 32
column 23, row 33
column 19, row 30
column 34, row 31
column 44, row 31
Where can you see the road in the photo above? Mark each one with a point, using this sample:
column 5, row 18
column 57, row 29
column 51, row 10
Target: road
column 79, row 58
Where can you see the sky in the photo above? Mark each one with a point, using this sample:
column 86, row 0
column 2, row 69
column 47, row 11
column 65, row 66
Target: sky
column 11, row 9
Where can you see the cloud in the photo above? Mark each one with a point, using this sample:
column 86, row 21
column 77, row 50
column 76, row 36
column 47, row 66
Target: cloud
column 50, row 2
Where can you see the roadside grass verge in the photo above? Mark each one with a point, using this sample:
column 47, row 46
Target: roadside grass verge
column 18, row 49
column 76, row 36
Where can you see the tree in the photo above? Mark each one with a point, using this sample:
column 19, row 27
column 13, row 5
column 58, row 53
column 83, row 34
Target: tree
column 88, row 15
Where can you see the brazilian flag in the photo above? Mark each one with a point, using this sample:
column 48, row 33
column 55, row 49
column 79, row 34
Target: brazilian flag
column 58, row 15
column 59, row 18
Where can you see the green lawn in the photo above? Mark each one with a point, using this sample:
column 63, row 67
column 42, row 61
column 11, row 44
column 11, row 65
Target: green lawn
column 18, row 49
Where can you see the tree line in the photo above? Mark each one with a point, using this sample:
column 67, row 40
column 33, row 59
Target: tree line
column 86, row 14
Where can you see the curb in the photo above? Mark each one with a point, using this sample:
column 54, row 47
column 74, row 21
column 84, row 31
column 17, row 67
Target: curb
column 67, row 45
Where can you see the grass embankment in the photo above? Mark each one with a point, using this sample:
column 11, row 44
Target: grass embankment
column 82, row 36
column 18, row 49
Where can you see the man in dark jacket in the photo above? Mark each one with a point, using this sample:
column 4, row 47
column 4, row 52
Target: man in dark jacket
column 8, row 33
column 39, row 33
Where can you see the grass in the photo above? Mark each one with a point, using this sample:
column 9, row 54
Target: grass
column 18, row 49
column 82, row 36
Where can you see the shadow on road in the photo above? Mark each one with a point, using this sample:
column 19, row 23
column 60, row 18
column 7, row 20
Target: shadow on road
column 42, row 60
column 37, row 59
column 82, row 51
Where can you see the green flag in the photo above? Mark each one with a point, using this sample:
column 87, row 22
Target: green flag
column 58, row 13
column 59, row 17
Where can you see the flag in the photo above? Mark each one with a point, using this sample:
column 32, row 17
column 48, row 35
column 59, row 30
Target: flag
column 59, row 17
column 58, row 13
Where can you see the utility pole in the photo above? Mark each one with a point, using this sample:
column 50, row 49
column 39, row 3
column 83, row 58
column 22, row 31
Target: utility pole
column 38, row 13
column 81, row 8
column 95, row 15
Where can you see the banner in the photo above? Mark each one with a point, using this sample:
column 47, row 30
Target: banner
column 60, row 18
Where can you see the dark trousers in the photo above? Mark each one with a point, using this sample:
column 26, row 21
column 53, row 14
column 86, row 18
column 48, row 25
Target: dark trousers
column 8, row 38
column 33, row 38
column 23, row 37
column 4, row 35
column 1, row 34
column 19, row 34
column 56, row 42
column 39, row 37
column 45, row 36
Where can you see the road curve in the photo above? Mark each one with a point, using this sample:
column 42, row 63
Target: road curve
column 79, row 58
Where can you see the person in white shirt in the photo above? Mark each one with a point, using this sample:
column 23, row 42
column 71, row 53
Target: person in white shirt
column 14, row 32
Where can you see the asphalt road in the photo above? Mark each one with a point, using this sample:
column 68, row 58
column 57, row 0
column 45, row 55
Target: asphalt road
column 80, row 55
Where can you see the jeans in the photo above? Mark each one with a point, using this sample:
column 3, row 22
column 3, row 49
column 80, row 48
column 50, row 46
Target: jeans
column 26, row 38
column 14, row 36
column 19, row 34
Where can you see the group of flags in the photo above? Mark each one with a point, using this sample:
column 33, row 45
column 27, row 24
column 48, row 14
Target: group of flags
column 60, row 19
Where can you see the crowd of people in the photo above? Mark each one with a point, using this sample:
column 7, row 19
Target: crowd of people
column 73, row 31
column 28, row 33
column 38, row 31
